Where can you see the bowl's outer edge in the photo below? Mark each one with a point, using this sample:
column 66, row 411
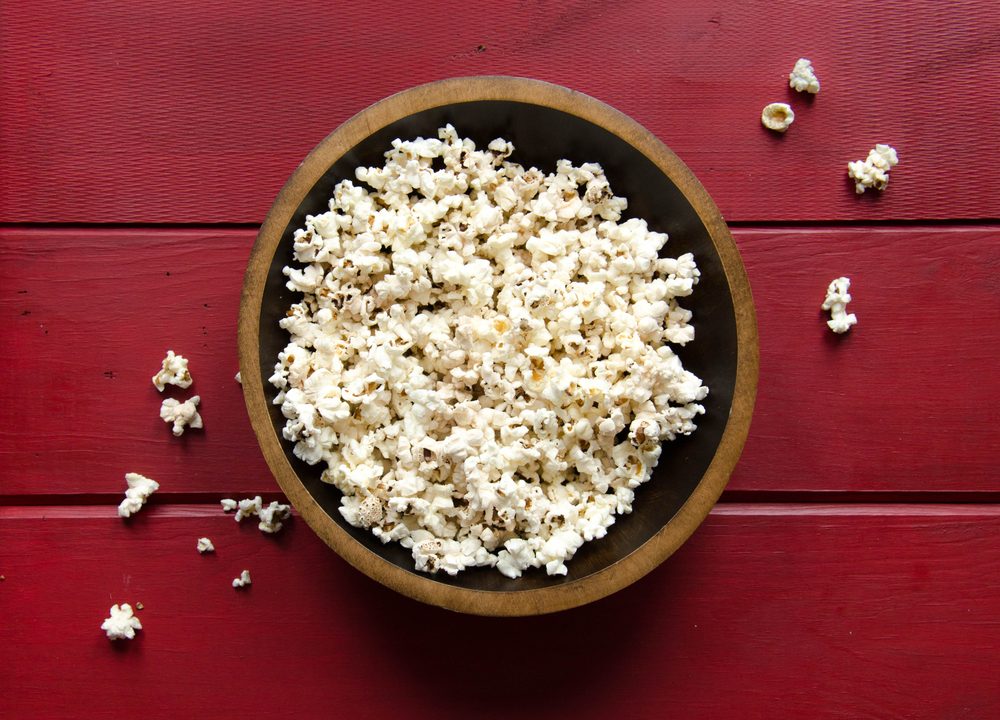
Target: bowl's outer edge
column 629, row 568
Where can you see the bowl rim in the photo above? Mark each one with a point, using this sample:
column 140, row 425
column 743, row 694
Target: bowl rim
column 667, row 539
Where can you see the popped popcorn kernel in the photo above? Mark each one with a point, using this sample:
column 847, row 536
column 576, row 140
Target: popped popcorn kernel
column 272, row 517
column 837, row 297
column 873, row 171
column 122, row 623
column 181, row 414
column 173, row 372
column 205, row 545
column 777, row 117
column 139, row 489
column 803, row 78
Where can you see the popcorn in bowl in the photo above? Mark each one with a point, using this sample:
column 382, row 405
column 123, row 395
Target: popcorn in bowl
column 482, row 355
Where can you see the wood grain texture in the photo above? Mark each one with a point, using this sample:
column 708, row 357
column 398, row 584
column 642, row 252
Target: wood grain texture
column 87, row 317
column 198, row 112
column 907, row 401
column 789, row 611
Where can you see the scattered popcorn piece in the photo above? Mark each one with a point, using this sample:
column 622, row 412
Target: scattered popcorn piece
column 181, row 414
column 803, row 78
column 239, row 378
column 174, row 372
column 272, row 516
column 777, row 117
column 122, row 624
column 243, row 580
column 138, row 491
column 248, row 507
column 837, row 297
column 482, row 359
column 138, row 606
column 205, row 545
column 873, row 171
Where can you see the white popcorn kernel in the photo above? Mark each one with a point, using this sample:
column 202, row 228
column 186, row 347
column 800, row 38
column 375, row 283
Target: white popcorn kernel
column 516, row 557
column 173, row 372
column 777, row 116
column 205, row 545
column 243, row 580
column 238, row 378
column 248, row 507
column 228, row 504
column 837, row 297
column 181, row 414
column 802, row 78
column 272, row 517
column 370, row 512
column 138, row 491
column 873, row 171
column 122, row 624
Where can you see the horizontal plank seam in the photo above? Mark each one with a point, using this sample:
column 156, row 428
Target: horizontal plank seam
column 730, row 497
column 41, row 512
column 737, row 224
column 254, row 226
column 888, row 224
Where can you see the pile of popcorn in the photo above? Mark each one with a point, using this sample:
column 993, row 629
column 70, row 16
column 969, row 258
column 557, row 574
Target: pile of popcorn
column 482, row 355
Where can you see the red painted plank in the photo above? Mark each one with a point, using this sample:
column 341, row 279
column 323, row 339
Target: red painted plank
column 197, row 112
column 87, row 318
column 907, row 401
column 799, row 611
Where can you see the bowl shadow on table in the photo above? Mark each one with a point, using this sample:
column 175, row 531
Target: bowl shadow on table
column 576, row 657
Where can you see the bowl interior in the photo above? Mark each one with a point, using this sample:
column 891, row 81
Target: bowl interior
column 541, row 136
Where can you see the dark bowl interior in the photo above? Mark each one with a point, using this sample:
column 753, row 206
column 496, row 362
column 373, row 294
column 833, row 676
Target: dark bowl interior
column 541, row 136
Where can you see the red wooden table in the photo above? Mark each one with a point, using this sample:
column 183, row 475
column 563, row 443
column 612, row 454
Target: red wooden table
column 853, row 567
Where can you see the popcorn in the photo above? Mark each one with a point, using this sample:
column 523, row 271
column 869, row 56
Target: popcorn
column 248, row 507
column 272, row 516
column 122, row 624
column 174, row 372
column 873, row 171
column 139, row 490
column 777, row 116
column 243, row 580
column 481, row 358
column 837, row 297
column 205, row 545
column 239, row 378
column 181, row 414
column 802, row 77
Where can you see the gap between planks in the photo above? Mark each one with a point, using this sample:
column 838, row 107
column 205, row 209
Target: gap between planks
column 749, row 498
column 153, row 512
column 778, row 224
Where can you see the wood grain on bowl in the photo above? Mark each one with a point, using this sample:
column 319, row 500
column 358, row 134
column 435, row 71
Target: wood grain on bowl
column 545, row 122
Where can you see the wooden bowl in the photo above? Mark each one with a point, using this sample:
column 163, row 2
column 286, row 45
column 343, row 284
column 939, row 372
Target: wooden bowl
column 545, row 122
